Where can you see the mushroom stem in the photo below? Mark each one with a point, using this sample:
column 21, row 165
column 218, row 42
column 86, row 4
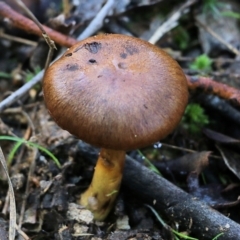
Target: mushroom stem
column 102, row 192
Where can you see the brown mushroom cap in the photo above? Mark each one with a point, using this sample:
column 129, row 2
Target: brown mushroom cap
column 116, row 92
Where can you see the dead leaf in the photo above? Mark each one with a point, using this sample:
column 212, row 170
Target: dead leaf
column 184, row 165
column 219, row 137
column 231, row 160
column 13, row 215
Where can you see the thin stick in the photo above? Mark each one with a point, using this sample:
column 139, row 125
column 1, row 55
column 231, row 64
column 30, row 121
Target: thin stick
column 29, row 13
column 6, row 204
column 23, row 234
column 66, row 7
column 97, row 22
column 49, row 58
column 186, row 149
column 48, row 40
column 221, row 40
column 20, row 92
column 30, row 173
column 17, row 39
column 13, row 216
column 19, row 21
column 171, row 22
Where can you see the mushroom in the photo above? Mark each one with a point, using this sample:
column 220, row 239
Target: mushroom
column 118, row 93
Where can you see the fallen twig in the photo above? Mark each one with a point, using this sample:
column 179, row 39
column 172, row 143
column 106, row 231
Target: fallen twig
column 208, row 85
column 171, row 22
column 17, row 39
column 21, row 22
column 97, row 22
column 221, row 40
column 181, row 207
column 21, row 91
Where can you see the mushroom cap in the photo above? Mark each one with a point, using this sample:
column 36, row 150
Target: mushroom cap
column 115, row 91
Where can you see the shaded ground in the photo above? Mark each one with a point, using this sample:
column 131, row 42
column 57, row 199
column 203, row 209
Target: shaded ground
column 200, row 157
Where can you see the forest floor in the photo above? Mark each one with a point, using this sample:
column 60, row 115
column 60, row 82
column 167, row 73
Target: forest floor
column 185, row 186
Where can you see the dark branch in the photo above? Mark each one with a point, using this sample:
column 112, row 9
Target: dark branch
column 179, row 206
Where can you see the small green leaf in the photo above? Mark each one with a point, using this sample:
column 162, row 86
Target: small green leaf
column 150, row 165
column 5, row 75
column 194, row 118
column 30, row 75
column 21, row 141
column 202, row 63
column 231, row 14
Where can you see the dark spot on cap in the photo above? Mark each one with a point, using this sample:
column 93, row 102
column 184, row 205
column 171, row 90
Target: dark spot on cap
column 123, row 55
column 72, row 67
column 92, row 61
column 122, row 65
column 99, row 76
column 93, row 47
column 130, row 49
column 145, row 106
column 68, row 55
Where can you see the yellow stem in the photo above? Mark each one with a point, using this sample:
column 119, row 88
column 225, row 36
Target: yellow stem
column 103, row 190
